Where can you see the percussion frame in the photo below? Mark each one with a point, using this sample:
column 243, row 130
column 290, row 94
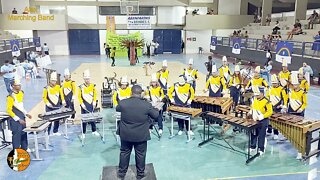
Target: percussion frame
column 180, row 116
column 95, row 121
column 4, row 123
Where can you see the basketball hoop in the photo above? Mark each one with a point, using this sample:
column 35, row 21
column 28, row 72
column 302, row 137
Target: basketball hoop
column 129, row 7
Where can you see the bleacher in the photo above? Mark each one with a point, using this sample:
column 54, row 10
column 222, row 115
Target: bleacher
column 5, row 35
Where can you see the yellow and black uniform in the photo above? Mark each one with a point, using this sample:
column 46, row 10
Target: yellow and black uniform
column 284, row 78
column 163, row 80
column 183, row 96
column 261, row 110
column 156, row 94
column 216, row 85
column 304, row 85
column 235, row 85
column 112, row 56
column 87, row 96
column 69, row 91
column 297, row 102
column 121, row 94
column 191, row 75
column 16, row 111
column 53, row 98
column 225, row 73
column 257, row 82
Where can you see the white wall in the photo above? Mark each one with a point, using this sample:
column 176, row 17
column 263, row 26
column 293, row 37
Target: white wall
column 8, row 5
column 203, row 38
column 57, row 41
column 22, row 33
column 229, row 7
column 82, row 14
column 222, row 32
column 171, row 15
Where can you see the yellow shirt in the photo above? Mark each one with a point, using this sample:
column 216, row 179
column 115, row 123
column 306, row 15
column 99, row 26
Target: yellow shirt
column 121, row 94
column 304, row 85
column 215, row 83
column 191, row 74
column 235, row 81
column 276, row 95
column 284, row 77
column 87, row 93
column 68, row 87
column 183, row 93
column 14, row 104
column 257, row 82
column 163, row 76
column 156, row 94
column 113, row 53
column 262, row 106
column 297, row 99
column 53, row 95
column 224, row 72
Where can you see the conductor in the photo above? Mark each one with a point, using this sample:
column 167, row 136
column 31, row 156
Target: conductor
column 134, row 130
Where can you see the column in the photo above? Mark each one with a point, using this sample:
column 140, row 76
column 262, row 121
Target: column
column 266, row 10
column 300, row 9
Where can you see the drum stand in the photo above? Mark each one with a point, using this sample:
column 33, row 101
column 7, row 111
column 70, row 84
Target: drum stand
column 96, row 121
column 4, row 124
column 184, row 117
column 116, row 136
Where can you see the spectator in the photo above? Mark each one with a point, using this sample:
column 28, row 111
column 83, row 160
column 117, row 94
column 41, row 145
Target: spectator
column 32, row 58
column 8, row 71
column 268, row 20
column 265, row 72
column 187, row 12
column 112, row 56
column 269, row 57
column 182, row 46
column 316, row 44
column 210, row 12
column 246, row 35
column 313, row 19
column 235, row 34
column 307, row 69
column 276, row 28
column 45, row 49
column 15, row 60
column 14, row 11
column 295, row 31
column 195, row 12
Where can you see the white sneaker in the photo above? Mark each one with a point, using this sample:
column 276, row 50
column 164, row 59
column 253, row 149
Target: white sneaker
column 261, row 153
column 252, row 150
column 299, row 156
column 180, row 133
column 190, row 133
column 275, row 137
column 29, row 150
column 56, row 134
column 83, row 136
column 96, row 133
column 160, row 132
column 265, row 143
column 268, row 134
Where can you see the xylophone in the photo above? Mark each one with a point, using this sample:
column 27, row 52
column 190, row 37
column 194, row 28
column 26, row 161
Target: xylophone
column 57, row 114
column 92, row 117
column 301, row 132
column 4, row 129
column 182, row 113
column 247, row 125
column 213, row 104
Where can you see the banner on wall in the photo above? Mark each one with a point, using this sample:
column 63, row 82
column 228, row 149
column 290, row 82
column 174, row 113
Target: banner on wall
column 236, row 48
column 213, row 43
column 114, row 40
column 111, row 24
column 15, row 47
column 139, row 22
column 284, row 51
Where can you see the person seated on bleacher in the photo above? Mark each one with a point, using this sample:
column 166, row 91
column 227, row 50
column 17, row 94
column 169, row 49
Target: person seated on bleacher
column 296, row 30
column 276, row 28
column 268, row 20
column 314, row 18
column 14, row 11
column 32, row 57
column 316, row 44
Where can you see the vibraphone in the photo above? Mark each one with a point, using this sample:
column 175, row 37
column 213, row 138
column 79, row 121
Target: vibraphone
column 36, row 128
column 302, row 133
column 57, row 115
column 182, row 113
column 4, row 126
column 92, row 117
column 212, row 104
column 246, row 125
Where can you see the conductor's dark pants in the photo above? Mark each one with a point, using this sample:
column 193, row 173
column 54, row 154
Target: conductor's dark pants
column 140, row 156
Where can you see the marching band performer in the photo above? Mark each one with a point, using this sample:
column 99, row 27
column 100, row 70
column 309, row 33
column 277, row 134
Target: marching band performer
column 257, row 80
column 215, row 84
column 304, row 84
column 54, row 99
column 279, row 100
column 156, row 94
column 236, row 85
column 224, row 70
column 69, row 90
column 87, row 95
column 18, row 115
column 184, row 94
column 261, row 110
column 284, row 75
column 163, row 76
column 297, row 98
column 191, row 74
column 123, row 92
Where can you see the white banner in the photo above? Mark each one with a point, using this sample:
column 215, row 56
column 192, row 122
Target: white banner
column 139, row 22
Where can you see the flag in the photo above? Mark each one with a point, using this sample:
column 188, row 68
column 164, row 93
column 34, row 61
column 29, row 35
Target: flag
column 284, row 51
column 15, row 47
column 213, row 43
column 236, row 48
column 111, row 24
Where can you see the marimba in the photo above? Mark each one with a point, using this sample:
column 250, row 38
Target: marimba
column 182, row 113
column 302, row 133
column 4, row 126
column 92, row 117
column 214, row 104
column 247, row 125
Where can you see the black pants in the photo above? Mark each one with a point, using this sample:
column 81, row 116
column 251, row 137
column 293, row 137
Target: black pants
column 113, row 60
column 140, row 156
column 84, row 125
column 55, row 123
column 19, row 137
